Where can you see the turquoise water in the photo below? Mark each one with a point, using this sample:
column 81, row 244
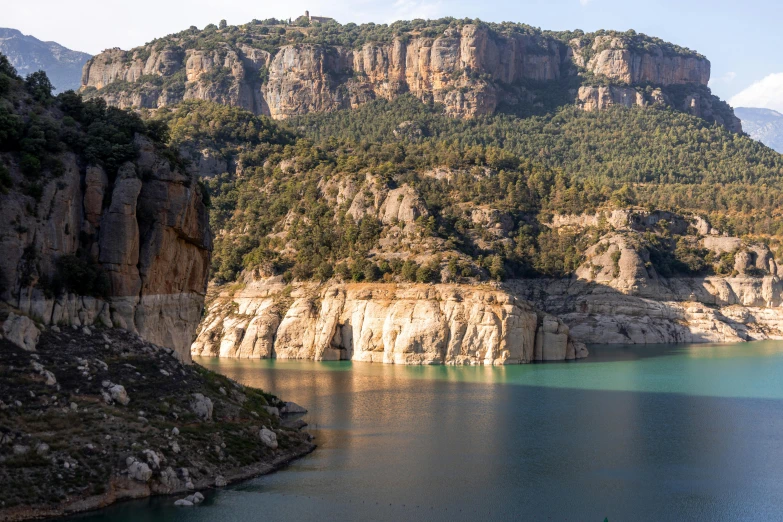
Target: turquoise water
column 670, row 432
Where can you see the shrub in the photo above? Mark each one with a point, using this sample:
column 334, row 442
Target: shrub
column 76, row 275
column 409, row 270
column 39, row 86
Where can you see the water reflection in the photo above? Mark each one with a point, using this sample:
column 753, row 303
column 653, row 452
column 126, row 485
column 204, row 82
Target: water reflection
column 629, row 436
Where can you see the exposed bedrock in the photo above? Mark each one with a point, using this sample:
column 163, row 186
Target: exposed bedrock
column 145, row 235
column 471, row 71
column 387, row 323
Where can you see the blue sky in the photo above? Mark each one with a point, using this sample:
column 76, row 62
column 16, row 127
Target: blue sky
column 743, row 40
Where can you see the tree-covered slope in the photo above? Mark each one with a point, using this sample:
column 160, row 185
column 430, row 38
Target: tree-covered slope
column 398, row 191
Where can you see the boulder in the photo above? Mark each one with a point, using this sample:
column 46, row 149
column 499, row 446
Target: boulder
column 271, row 410
column 152, row 458
column 169, row 479
column 201, row 406
column 138, row 470
column 118, row 394
column 268, row 437
column 21, row 331
column 292, row 407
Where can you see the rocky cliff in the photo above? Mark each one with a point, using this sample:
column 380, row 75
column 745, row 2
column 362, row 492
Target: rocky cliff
column 387, row 323
column 618, row 296
column 471, row 69
column 147, row 231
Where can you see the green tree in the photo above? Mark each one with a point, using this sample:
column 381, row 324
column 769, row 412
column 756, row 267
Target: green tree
column 39, row 86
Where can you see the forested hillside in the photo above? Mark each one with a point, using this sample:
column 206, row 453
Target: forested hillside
column 398, row 191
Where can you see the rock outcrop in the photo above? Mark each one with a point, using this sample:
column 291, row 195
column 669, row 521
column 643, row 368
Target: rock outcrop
column 388, row 323
column 147, row 232
column 21, row 331
column 471, row 70
column 617, row 296
column 612, row 57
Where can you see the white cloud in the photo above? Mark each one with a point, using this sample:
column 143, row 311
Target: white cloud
column 584, row 2
column 767, row 93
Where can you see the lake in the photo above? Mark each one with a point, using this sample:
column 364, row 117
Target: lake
column 670, row 432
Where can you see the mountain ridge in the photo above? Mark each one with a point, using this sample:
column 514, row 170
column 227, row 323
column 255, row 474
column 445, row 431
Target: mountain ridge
column 29, row 54
column 470, row 67
column 764, row 125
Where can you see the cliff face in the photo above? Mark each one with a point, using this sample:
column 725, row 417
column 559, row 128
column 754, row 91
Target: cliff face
column 147, row 230
column 617, row 296
column 388, row 323
column 471, row 71
column 610, row 57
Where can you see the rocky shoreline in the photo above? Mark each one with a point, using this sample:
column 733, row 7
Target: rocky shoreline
column 115, row 418
column 128, row 490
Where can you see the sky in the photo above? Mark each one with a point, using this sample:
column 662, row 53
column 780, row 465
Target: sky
column 742, row 39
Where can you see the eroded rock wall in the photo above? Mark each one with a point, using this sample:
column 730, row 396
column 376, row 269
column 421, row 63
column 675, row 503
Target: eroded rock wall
column 146, row 231
column 387, row 323
column 470, row 70
column 617, row 296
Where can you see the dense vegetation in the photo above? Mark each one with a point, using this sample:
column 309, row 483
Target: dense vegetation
column 271, row 33
column 653, row 157
column 283, row 215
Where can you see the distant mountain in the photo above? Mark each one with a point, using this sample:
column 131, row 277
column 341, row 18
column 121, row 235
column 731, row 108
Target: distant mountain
column 29, row 54
column 764, row 125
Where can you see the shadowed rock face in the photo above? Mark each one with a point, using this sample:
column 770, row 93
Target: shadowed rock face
column 617, row 296
column 471, row 71
column 147, row 231
column 387, row 323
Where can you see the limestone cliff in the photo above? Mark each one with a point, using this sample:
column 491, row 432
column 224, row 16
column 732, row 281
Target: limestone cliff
column 471, row 69
column 388, row 323
column 618, row 296
column 147, row 232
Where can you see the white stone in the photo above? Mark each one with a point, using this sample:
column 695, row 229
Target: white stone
column 268, row 437
column 118, row 394
column 21, row 331
column 201, row 406
column 138, row 470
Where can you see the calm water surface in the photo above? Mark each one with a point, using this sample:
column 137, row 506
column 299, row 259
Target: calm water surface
column 676, row 432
